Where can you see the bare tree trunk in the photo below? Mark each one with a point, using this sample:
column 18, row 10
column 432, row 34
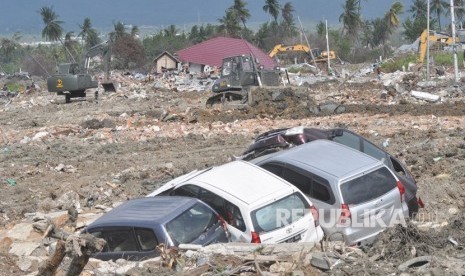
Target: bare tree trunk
column 51, row 265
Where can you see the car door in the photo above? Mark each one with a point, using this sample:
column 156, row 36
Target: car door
column 217, row 203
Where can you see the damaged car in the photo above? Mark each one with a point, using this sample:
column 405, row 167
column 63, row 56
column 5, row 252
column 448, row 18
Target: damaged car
column 135, row 229
column 279, row 139
column 357, row 196
column 258, row 206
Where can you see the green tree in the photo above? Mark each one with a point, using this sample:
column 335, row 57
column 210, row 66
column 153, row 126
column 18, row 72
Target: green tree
column 134, row 31
column 418, row 8
column 459, row 13
column 438, row 7
column 52, row 30
column 413, row 29
column 85, row 28
column 321, row 28
column 230, row 23
column 350, row 18
column 272, row 7
column 241, row 11
column 392, row 16
column 380, row 31
column 288, row 18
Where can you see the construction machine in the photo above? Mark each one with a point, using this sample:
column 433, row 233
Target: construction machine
column 72, row 79
column 239, row 74
column 440, row 39
column 319, row 56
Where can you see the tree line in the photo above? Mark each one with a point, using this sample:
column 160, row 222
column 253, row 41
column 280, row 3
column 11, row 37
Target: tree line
column 356, row 39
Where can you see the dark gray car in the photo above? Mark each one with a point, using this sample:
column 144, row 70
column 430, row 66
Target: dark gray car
column 134, row 229
column 284, row 138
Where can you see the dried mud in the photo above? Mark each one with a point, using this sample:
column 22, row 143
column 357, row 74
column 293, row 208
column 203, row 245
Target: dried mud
column 136, row 144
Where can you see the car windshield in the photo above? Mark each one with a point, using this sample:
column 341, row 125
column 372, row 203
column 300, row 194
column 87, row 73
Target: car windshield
column 190, row 225
column 367, row 187
column 280, row 213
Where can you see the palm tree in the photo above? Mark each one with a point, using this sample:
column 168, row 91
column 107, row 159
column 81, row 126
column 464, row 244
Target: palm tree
column 350, row 18
column 418, row 8
column 242, row 11
column 392, row 16
column 230, row 23
column 85, row 28
column 438, row 7
column 286, row 13
column 272, row 7
column 134, row 31
column 52, row 30
column 459, row 13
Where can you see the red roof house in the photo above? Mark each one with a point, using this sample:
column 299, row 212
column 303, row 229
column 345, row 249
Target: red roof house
column 211, row 52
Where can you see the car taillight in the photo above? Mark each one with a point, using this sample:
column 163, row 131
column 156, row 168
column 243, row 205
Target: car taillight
column 255, row 237
column 346, row 217
column 316, row 215
column 401, row 188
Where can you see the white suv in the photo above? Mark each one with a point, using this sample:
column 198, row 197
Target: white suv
column 256, row 205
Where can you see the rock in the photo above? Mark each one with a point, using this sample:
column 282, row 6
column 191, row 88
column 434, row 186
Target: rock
column 324, row 260
column 68, row 199
column 40, row 135
column 60, row 167
column 24, row 263
column 425, row 84
column 453, row 211
column 25, row 140
column 425, row 96
column 281, row 267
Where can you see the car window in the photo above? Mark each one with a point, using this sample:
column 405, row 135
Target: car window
column 273, row 168
column 368, row 186
column 146, row 239
column 375, row 152
column 118, row 240
column 234, row 216
column 187, row 190
column 213, row 200
column 226, row 209
column 320, row 191
column 398, row 168
column 349, row 140
column 280, row 213
column 302, row 182
column 311, row 185
column 191, row 224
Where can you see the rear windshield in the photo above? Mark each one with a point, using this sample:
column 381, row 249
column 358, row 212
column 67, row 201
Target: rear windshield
column 280, row 213
column 368, row 186
column 191, row 224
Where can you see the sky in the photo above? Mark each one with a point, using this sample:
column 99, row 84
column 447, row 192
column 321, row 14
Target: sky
column 22, row 15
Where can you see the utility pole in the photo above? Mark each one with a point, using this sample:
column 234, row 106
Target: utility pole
column 308, row 44
column 427, row 40
column 327, row 47
column 454, row 44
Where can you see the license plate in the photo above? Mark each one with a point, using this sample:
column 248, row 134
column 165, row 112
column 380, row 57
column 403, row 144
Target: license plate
column 294, row 239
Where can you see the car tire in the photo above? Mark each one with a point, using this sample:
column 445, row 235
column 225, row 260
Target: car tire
column 413, row 207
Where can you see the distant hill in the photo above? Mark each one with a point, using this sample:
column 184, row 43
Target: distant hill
column 22, row 15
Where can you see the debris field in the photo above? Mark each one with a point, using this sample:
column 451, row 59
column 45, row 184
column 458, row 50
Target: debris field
column 95, row 153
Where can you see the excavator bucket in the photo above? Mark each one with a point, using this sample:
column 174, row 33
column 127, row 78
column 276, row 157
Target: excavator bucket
column 108, row 86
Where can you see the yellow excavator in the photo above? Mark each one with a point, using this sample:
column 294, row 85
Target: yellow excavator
column 439, row 39
column 320, row 56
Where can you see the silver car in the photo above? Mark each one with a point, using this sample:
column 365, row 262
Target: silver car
column 357, row 195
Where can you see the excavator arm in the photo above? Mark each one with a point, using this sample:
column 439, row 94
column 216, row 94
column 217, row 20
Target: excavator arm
column 103, row 49
column 434, row 37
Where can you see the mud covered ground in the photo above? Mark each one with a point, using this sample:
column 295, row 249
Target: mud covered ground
column 125, row 144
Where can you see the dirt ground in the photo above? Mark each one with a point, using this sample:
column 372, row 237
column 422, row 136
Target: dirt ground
column 126, row 144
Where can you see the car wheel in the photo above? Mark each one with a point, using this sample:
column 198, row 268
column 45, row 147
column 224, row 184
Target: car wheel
column 413, row 207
